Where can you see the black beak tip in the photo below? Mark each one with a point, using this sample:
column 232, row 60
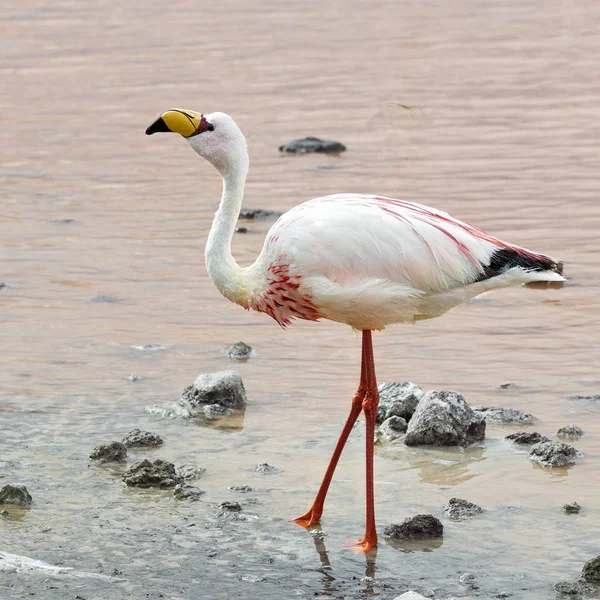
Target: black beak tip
column 158, row 125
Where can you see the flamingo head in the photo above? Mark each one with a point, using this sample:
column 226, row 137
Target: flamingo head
column 215, row 136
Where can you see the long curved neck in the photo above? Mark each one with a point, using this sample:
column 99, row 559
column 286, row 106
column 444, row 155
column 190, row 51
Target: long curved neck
column 222, row 269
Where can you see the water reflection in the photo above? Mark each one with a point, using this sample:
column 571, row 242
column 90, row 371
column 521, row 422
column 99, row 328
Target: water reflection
column 415, row 545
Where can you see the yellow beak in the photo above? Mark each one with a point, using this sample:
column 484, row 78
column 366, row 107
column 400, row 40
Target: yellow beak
column 185, row 122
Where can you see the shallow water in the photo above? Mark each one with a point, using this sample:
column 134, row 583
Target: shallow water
column 504, row 134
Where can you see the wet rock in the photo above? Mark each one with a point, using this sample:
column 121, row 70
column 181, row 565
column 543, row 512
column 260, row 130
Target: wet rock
column 411, row 595
column 458, row 509
column 107, row 299
column 16, row 495
column 184, row 491
column 398, row 399
column 572, row 508
column 137, row 438
column 230, row 506
column 190, row 472
column 527, row 437
column 113, row 452
column 312, row 144
column 241, row 230
column 592, row 398
column 258, row 213
column 574, row 588
column 391, row 429
column 146, row 474
column 239, row 351
column 216, row 411
column 570, row 432
column 508, row 385
column 591, row 570
column 444, row 419
column 224, row 388
column 134, row 377
column 244, row 489
column 553, row 454
column 150, row 347
column 419, row 527
column 504, row 416
column 266, row 469
column 469, row 580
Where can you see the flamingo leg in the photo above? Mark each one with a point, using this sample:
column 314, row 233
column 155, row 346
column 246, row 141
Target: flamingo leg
column 313, row 515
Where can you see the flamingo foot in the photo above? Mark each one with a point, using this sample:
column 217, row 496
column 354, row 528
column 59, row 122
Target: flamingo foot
column 309, row 519
column 367, row 544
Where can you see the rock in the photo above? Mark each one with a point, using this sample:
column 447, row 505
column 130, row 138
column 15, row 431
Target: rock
column 15, row 494
column 312, row 144
column 504, row 416
column 570, row 432
column 241, row 230
column 216, row 411
column 527, row 437
column 266, row 469
column 444, row 419
column 553, row 454
column 258, row 213
column 592, row 398
column 184, row 491
column 391, row 429
column 137, row 438
column 146, row 474
column 591, row 570
column 458, row 509
column 572, row 508
column 508, row 385
column 150, row 347
column 113, row 452
column 231, row 506
column 398, row 399
column 107, row 299
column 241, row 488
column 190, row 472
column 574, row 588
column 224, row 388
column 411, row 595
column 419, row 527
column 468, row 579
column 239, row 351
column 134, row 377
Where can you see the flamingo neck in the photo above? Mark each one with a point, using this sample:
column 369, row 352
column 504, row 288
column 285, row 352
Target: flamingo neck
column 223, row 271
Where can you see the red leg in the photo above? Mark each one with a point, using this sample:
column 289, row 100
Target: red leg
column 313, row 515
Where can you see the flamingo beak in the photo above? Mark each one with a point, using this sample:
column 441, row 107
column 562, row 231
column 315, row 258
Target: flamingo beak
column 185, row 122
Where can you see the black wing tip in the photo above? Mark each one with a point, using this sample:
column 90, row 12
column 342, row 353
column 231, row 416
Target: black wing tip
column 504, row 259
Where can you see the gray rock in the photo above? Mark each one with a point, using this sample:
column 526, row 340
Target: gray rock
column 398, row 399
column 592, row 398
column 107, row 299
column 570, row 432
column 553, row 454
column 527, row 437
column 150, row 347
column 230, row 506
column 241, row 230
column 184, row 491
column 504, row 416
column 572, row 508
column 224, row 388
column 411, row 595
column 15, row 494
column 419, row 527
column 190, row 472
column 241, row 488
column 146, row 474
column 444, row 419
column 313, row 144
column 216, row 411
column 113, row 452
column 574, row 588
column 591, row 570
column 458, row 509
column 137, row 438
column 469, row 580
column 258, row 213
column 239, row 351
column 391, row 429
column 133, row 377
column 266, row 469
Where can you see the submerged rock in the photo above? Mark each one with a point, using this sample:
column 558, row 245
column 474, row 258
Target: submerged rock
column 592, row 398
column 458, row 509
column 241, row 488
column 216, row 411
column 184, row 491
column 190, row 472
column 16, row 495
column 572, row 508
column 419, row 527
column 107, row 299
column 570, row 432
column 574, row 588
column 146, row 474
column 113, row 452
column 312, row 144
column 137, row 438
column 527, row 437
column 231, row 506
column 469, row 580
column 266, row 469
column 398, row 399
column 591, row 570
column 150, row 347
column 391, row 429
column 258, row 213
column 444, row 419
column 554, row 454
column 239, row 351
column 241, row 230
column 504, row 416
column 224, row 388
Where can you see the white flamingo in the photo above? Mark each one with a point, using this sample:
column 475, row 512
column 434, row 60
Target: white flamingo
column 367, row 261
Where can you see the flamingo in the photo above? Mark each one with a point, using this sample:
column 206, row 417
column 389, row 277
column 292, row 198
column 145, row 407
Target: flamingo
column 367, row 261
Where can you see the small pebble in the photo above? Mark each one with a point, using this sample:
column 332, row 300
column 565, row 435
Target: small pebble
column 266, row 469
column 239, row 351
column 241, row 488
column 134, row 377
column 241, row 230
column 572, row 508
